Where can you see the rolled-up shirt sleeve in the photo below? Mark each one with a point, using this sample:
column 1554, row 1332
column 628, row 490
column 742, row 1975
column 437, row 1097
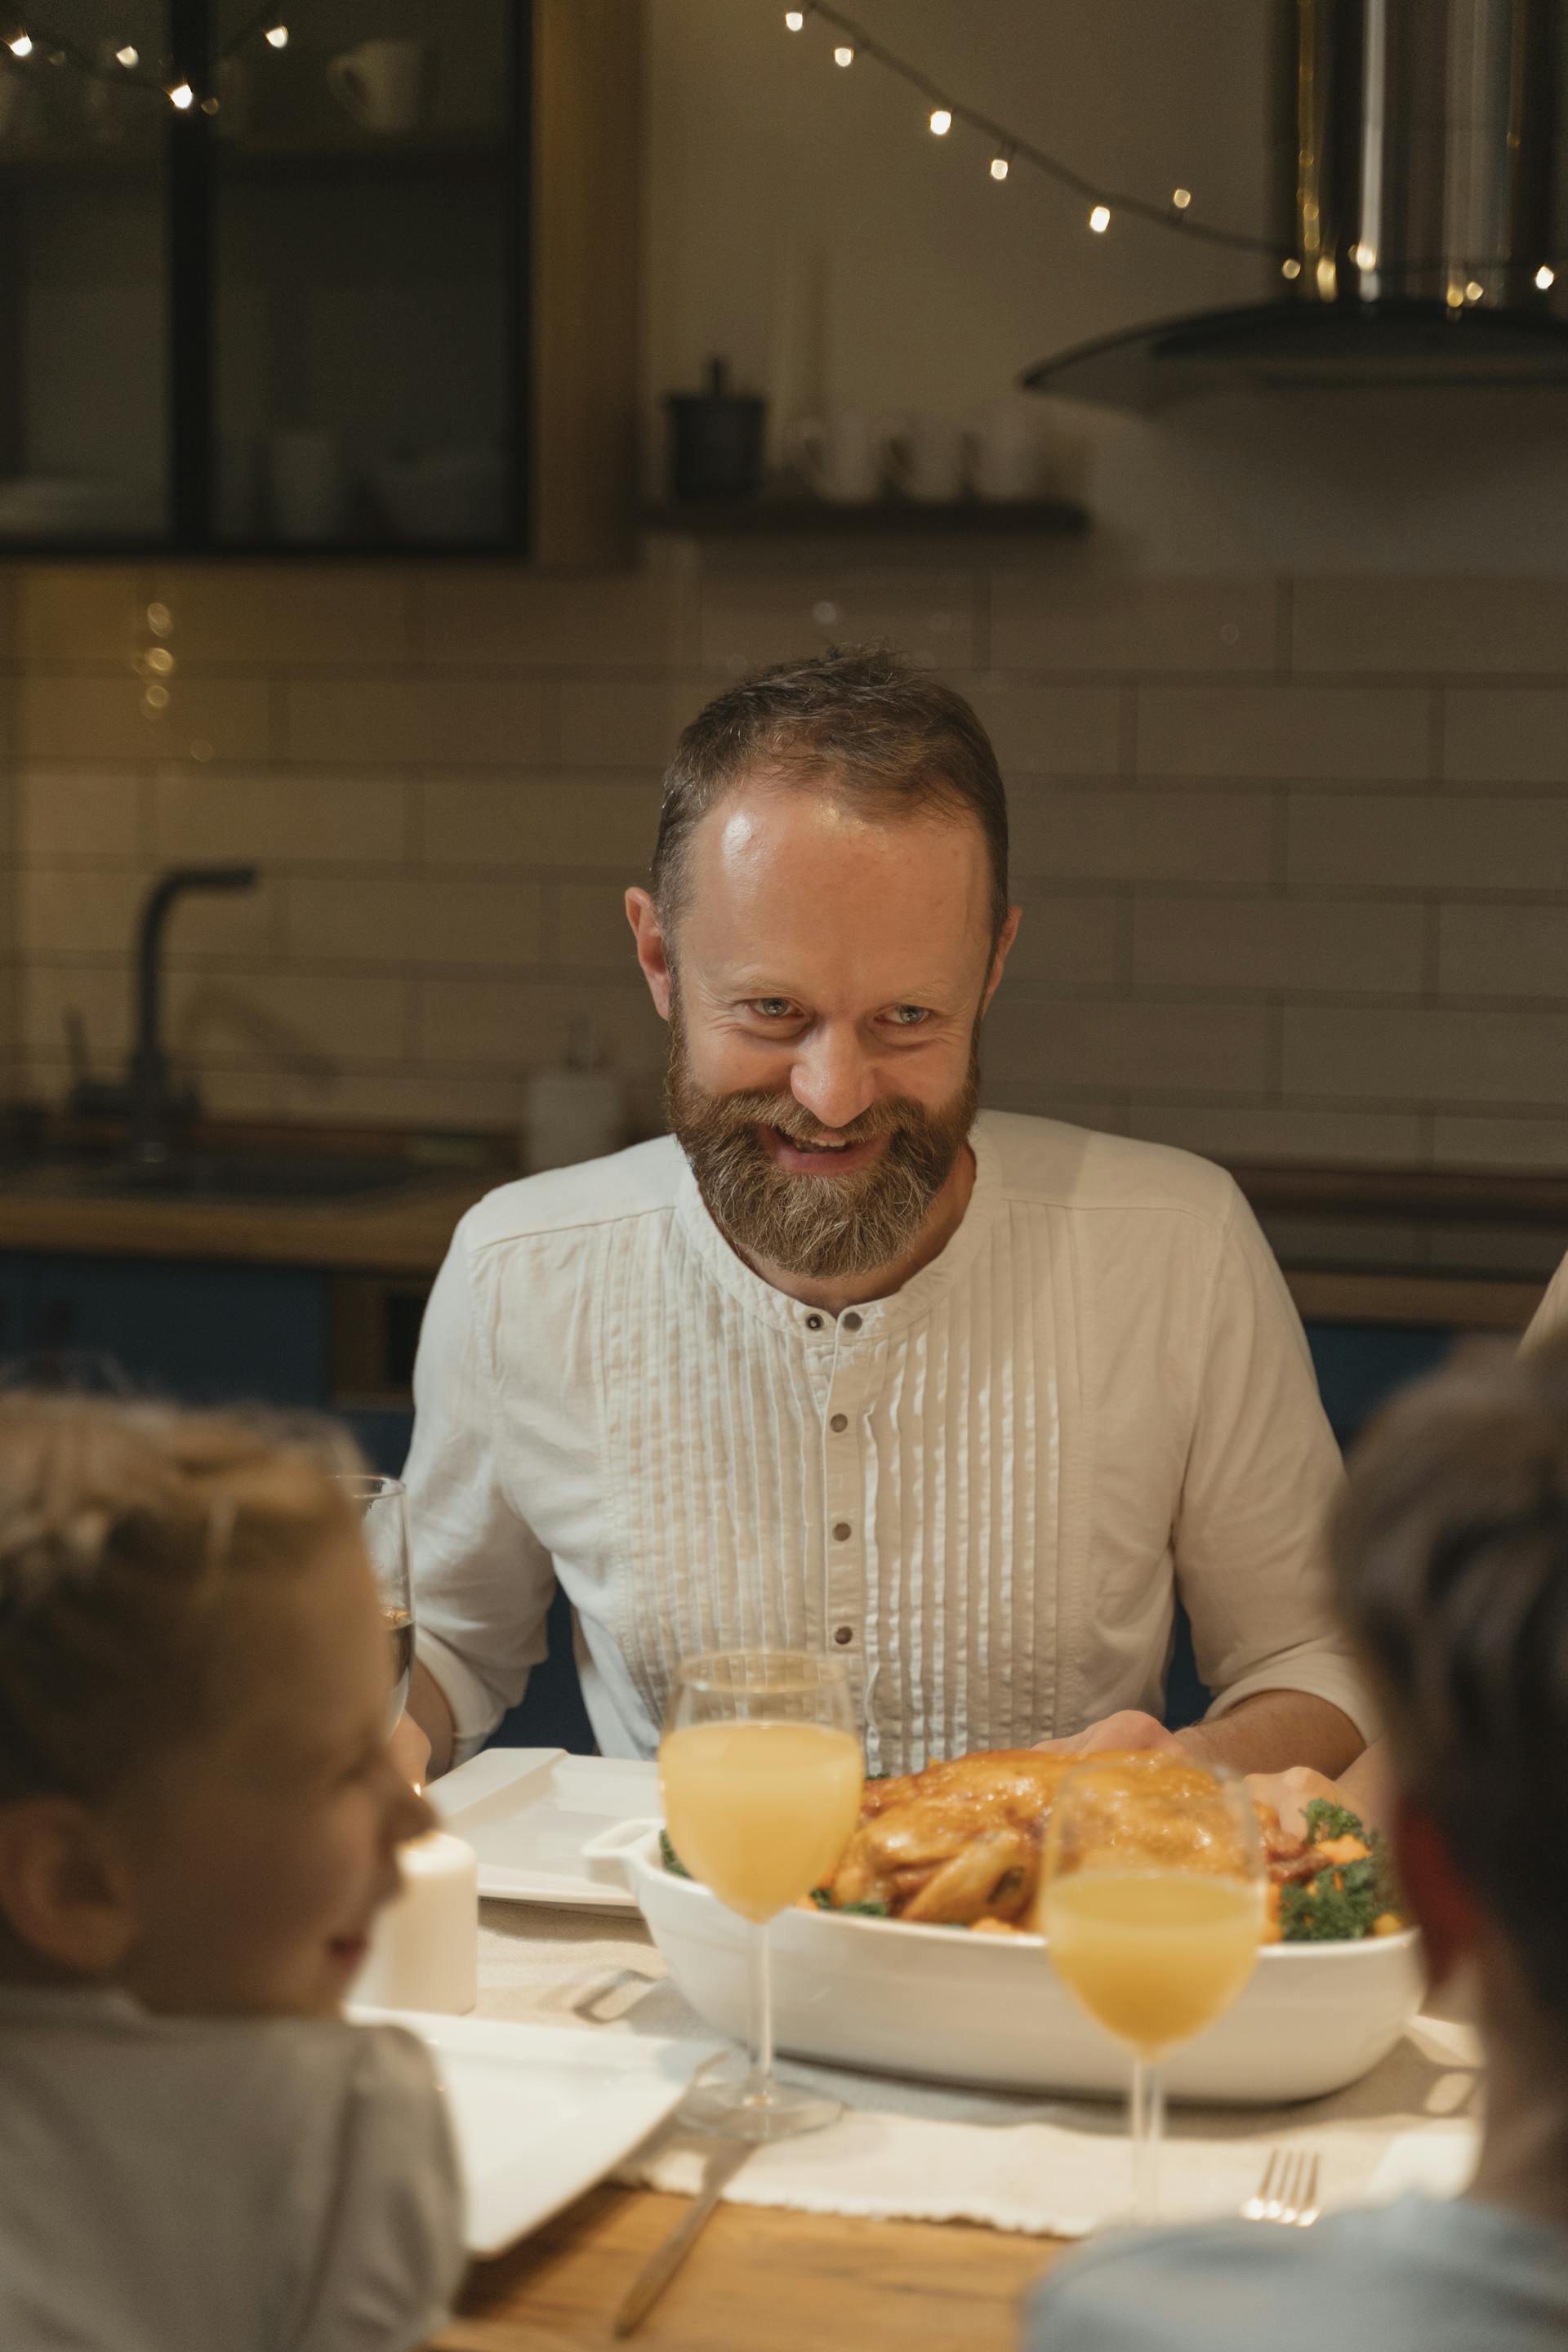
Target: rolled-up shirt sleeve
column 482, row 1580
column 1262, row 1478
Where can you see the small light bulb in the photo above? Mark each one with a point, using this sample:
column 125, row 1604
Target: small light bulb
column 843, row 55
column 1545, row 276
column 1474, row 290
column 1100, row 219
column 22, row 47
column 1291, row 266
column 1456, row 297
column 941, row 122
column 998, row 167
column 1364, row 257
column 278, row 36
column 182, row 97
column 794, row 19
column 1181, row 198
column 128, row 56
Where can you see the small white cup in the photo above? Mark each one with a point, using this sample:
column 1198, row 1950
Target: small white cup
column 307, row 485
column 381, row 83
column 1005, row 455
column 926, row 458
column 841, row 456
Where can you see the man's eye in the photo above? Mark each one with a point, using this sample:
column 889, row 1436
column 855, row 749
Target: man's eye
column 909, row 1016
column 772, row 1008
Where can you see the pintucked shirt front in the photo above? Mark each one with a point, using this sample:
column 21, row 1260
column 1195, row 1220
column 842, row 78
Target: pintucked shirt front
column 983, row 1491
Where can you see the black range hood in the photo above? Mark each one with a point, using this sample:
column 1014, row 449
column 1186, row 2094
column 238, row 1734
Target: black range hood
column 1416, row 185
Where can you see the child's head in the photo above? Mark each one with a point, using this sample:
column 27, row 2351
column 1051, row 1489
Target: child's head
column 196, row 1797
column 1452, row 1563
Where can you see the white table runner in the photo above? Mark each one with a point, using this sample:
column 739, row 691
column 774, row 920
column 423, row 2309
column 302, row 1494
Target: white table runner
column 934, row 2151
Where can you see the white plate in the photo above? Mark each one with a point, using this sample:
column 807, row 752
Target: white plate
column 542, row 2112
column 528, row 1813
column 940, row 2002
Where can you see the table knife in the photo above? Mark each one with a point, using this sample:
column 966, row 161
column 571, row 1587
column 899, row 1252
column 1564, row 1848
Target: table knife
column 728, row 2157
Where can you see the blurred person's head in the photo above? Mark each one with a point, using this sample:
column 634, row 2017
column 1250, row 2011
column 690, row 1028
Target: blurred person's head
column 827, row 923
column 1451, row 1557
column 197, row 1803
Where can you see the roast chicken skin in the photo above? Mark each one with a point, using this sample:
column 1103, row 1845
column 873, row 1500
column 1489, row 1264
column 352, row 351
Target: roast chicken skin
column 961, row 1841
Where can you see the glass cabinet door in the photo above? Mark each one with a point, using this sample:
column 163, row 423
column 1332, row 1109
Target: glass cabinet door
column 85, row 408
column 368, row 252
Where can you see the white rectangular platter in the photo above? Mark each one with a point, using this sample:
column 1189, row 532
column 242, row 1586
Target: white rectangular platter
column 542, row 2112
column 528, row 1813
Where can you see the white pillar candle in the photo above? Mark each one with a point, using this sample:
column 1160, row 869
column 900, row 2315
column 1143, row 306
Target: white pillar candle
column 425, row 1946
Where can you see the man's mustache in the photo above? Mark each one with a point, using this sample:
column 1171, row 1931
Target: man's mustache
column 796, row 1124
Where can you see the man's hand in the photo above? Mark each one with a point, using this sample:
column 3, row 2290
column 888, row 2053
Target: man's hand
column 410, row 1750
column 1128, row 1728
column 429, row 1716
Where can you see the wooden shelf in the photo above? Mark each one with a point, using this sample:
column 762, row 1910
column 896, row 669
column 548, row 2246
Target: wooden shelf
column 878, row 519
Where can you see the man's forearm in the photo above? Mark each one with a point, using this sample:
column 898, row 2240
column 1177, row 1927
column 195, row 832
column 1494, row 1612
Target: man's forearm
column 1274, row 1729
column 427, row 1705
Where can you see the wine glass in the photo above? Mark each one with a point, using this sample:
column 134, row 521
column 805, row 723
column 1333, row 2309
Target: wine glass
column 760, row 1771
column 1151, row 1905
column 382, row 1508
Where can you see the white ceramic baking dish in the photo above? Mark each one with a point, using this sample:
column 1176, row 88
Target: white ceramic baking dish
column 943, row 2003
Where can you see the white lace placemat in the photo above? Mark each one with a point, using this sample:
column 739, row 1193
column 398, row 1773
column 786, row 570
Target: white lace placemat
column 936, row 2151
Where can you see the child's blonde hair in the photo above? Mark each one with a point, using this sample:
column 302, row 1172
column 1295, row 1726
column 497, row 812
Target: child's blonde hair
column 120, row 1529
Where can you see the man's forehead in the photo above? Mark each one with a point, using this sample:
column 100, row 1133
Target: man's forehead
column 767, row 839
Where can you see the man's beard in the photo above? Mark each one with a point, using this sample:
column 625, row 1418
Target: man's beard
column 826, row 1227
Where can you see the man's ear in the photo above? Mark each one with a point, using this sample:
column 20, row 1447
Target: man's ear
column 60, row 1891
column 1004, row 947
column 653, row 948
column 1450, row 1920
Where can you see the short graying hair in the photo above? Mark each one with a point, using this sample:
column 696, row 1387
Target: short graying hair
column 884, row 735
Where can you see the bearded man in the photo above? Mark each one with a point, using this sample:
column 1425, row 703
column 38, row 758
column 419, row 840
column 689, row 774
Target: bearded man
column 840, row 1364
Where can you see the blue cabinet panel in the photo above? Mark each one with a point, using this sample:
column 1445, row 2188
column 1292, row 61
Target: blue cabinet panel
column 204, row 1333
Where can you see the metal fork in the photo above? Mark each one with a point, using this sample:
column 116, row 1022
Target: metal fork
column 1287, row 2191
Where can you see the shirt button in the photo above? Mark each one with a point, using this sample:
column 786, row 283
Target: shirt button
column 841, row 1532
column 844, row 1635
column 851, row 1322
column 814, row 1322
column 840, row 1421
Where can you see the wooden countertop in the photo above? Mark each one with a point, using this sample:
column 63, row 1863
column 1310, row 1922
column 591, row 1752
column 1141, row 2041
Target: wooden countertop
column 399, row 1232
column 765, row 2280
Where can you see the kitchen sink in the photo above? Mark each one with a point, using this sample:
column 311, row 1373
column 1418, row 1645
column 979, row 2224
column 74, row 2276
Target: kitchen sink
column 217, row 1176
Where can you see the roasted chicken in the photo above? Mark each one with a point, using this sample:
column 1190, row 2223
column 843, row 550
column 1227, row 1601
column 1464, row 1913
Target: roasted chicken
column 959, row 1845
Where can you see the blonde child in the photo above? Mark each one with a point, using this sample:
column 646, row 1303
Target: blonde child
column 198, row 1821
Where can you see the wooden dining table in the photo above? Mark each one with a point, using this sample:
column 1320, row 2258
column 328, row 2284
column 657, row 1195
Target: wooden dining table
column 758, row 2280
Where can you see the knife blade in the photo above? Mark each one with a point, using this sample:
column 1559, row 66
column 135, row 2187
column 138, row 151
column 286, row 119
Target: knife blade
column 728, row 2157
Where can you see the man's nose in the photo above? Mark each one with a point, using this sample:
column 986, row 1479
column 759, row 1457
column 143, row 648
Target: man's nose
column 833, row 1079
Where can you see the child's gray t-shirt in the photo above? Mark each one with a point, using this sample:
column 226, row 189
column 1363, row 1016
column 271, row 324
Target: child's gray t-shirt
column 175, row 2184
column 1418, row 2276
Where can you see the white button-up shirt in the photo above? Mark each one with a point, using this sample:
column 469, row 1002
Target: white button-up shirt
column 984, row 1491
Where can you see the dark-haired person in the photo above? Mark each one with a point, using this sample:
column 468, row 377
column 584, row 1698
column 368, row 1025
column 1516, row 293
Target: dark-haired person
column 1452, row 1563
column 840, row 1362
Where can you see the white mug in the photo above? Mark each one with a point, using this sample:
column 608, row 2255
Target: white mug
column 381, row 83
column 841, row 455
column 308, row 484
column 926, row 458
column 1004, row 447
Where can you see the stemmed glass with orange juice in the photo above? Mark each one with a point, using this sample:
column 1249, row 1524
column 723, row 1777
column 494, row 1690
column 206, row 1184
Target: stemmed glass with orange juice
column 1152, row 1903
column 760, row 1772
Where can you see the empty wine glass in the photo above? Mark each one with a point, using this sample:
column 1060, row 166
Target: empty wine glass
column 762, row 1773
column 382, row 1508
column 1152, row 1903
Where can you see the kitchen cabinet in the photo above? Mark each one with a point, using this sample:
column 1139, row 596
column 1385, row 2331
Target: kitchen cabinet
column 371, row 291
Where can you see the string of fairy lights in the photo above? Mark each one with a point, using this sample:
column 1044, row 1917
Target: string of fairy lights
column 1004, row 148
column 125, row 65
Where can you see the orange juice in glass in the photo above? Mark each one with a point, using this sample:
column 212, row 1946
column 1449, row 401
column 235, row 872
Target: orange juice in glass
column 760, row 1772
column 1151, row 1905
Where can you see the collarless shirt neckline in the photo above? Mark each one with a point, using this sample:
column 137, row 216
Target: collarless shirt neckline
column 878, row 1318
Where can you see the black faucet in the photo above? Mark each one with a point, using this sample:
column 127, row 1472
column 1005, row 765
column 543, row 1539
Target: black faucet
column 149, row 1097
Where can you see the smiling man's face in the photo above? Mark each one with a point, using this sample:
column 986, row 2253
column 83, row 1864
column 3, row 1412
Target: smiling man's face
column 823, row 987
